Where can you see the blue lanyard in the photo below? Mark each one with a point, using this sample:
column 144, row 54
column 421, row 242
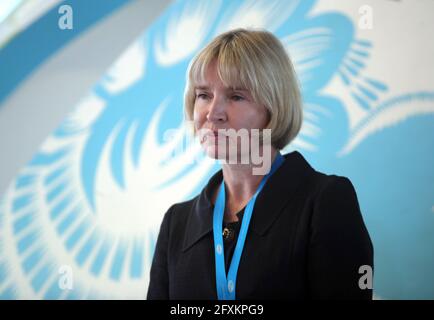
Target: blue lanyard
column 226, row 285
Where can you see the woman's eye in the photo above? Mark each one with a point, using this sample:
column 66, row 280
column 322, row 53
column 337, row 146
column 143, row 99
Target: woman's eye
column 201, row 96
column 237, row 98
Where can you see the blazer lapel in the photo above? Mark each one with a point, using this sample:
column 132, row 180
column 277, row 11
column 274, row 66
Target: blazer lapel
column 279, row 189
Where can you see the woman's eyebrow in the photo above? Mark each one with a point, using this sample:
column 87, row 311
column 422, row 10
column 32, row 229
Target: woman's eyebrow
column 238, row 89
column 201, row 88
column 229, row 89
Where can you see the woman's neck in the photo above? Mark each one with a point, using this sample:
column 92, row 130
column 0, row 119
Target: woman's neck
column 241, row 184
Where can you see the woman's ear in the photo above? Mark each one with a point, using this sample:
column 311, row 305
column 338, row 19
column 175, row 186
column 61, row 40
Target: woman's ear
column 268, row 116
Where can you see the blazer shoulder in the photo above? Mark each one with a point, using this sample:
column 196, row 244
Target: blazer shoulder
column 320, row 183
column 180, row 210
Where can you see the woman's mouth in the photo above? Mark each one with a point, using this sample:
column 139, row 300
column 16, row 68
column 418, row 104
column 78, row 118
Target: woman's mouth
column 213, row 136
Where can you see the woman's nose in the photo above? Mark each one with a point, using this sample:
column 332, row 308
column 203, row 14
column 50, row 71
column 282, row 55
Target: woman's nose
column 217, row 111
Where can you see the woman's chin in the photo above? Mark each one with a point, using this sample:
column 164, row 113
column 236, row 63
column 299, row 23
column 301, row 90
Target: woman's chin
column 212, row 152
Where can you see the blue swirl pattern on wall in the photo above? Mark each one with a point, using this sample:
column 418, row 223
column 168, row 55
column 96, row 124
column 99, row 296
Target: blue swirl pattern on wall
column 30, row 39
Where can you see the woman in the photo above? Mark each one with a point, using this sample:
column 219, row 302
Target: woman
column 289, row 232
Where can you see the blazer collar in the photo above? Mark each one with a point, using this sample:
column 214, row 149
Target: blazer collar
column 278, row 190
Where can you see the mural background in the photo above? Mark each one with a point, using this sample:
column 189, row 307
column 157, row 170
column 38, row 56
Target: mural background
column 93, row 195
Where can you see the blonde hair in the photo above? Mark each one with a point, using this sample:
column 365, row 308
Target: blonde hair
column 255, row 60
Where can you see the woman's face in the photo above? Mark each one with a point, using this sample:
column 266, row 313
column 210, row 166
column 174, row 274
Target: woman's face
column 219, row 107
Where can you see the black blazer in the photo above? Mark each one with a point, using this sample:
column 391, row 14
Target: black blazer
column 306, row 240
